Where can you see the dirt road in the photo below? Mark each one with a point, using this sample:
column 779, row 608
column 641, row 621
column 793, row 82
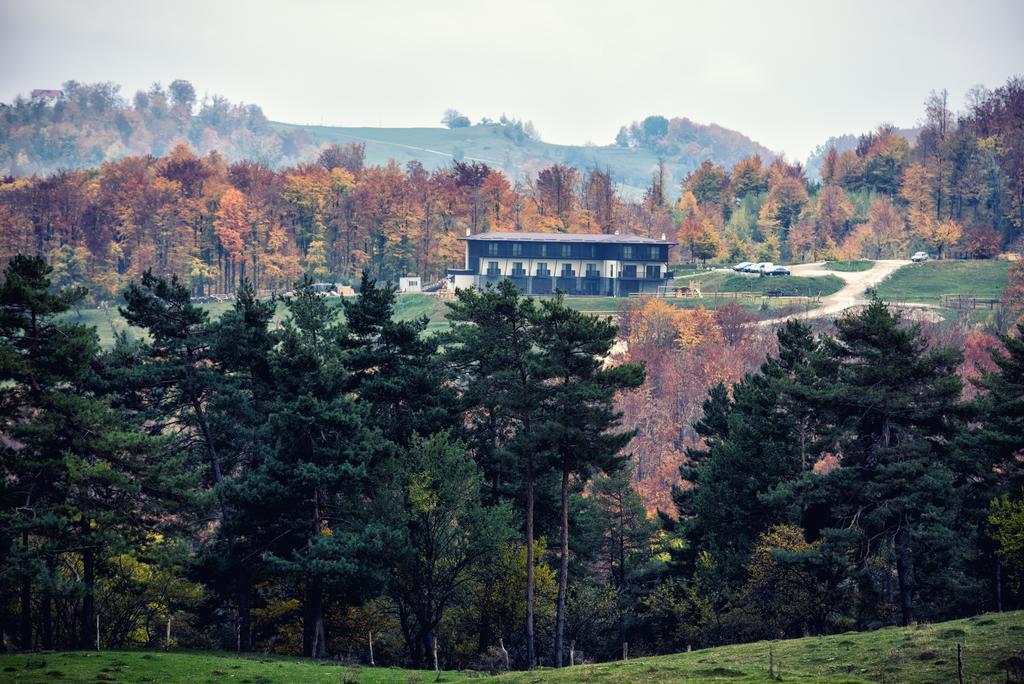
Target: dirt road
column 852, row 293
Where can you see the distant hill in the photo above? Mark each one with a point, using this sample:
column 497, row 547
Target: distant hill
column 842, row 143
column 522, row 157
column 87, row 124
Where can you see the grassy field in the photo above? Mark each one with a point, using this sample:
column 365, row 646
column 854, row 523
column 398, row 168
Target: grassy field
column 924, row 653
column 847, row 266
column 722, row 281
column 928, row 281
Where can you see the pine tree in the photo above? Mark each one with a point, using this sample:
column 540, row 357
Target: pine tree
column 306, row 500
column 395, row 368
column 579, row 424
column 892, row 409
column 77, row 478
column 990, row 468
column 753, row 443
column 241, row 342
column 491, row 351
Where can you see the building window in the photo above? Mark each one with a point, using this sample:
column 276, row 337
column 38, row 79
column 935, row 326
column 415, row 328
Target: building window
column 592, row 271
column 517, row 269
column 566, row 250
column 492, row 249
column 542, row 270
column 543, row 250
column 655, row 253
column 517, row 249
column 629, row 271
column 492, row 268
column 627, row 251
column 653, row 272
column 593, row 251
column 567, row 271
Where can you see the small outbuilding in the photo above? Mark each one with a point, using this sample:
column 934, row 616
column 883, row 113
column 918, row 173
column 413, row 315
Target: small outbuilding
column 410, row 284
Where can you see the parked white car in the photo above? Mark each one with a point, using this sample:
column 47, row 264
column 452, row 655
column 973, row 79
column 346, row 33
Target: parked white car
column 763, row 267
column 919, row 257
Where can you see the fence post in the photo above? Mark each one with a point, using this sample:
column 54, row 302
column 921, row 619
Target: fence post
column 959, row 664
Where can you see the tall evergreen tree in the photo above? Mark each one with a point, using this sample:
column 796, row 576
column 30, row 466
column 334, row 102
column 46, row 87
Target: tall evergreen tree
column 754, row 441
column 77, row 478
column 307, row 497
column 394, row 367
column 579, row 424
column 892, row 405
column 491, row 350
column 990, row 463
column 241, row 342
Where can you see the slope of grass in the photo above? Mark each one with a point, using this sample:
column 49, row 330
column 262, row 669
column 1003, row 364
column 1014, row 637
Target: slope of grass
column 856, row 265
column 926, row 282
column 924, row 653
column 721, row 281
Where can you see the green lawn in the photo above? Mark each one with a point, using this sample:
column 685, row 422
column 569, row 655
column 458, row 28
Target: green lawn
column 721, row 281
column 985, row 278
column 924, row 653
column 856, row 265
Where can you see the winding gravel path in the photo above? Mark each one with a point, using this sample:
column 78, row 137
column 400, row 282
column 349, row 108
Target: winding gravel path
column 852, row 293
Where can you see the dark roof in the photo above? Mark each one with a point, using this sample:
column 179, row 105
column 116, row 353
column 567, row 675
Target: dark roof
column 603, row 238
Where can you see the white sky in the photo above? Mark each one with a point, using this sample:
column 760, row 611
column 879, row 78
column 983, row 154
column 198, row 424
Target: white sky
column 789, row 74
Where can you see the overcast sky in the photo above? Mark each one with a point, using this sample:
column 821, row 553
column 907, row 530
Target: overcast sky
column 787, row 74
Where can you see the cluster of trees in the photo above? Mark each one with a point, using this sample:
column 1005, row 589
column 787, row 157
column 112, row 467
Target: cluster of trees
column 683, row 140
column 213, row 224
column 294, row 487
column 846, row 484
column 91, row 123
column 238, row 484
column 959, row 189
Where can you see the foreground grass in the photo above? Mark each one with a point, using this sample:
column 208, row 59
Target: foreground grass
column 927, row 282
column 194, row 668
column 848, row 266
column 925, row 653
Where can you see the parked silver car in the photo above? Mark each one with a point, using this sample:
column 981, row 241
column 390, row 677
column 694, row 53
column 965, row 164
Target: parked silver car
column 919, row 257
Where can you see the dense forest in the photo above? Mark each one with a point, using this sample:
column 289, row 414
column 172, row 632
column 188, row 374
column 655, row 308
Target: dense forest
column 227, row 483
column 959, row 190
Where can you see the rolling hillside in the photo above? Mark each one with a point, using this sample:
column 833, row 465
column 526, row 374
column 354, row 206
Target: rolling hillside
column 488, row 143
column 85, row 125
